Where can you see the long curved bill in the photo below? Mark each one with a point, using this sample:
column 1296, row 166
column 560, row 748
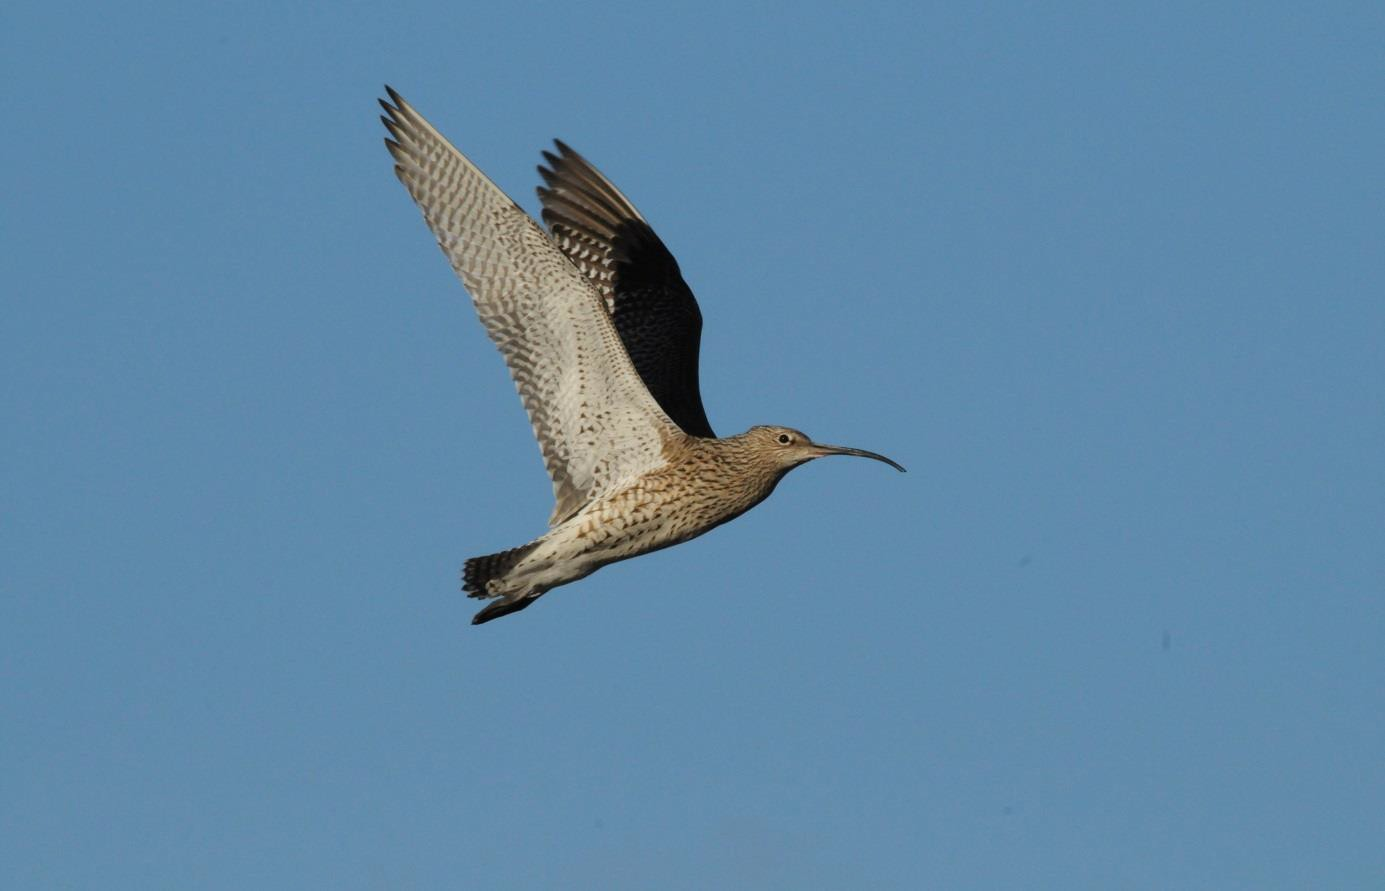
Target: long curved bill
column 859, row 453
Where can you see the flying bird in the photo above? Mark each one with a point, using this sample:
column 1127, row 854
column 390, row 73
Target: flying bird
column 601, row 336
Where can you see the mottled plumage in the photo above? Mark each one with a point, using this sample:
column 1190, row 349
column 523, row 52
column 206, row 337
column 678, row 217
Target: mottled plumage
column 653, row 308
column 601, row 336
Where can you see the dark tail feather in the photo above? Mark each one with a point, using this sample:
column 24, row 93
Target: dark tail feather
column 480, row 570
column 501, row 608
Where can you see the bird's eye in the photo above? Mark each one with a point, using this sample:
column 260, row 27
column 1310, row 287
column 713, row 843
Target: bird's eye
column 784, row 439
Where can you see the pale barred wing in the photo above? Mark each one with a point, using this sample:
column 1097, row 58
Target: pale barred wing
column 595, row 421
column 654, row 310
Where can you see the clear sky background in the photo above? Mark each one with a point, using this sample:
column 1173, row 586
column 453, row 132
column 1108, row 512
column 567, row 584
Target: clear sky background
column 1109, row 283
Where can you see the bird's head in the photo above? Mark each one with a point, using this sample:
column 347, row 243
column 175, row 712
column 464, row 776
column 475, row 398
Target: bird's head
column 788, row 447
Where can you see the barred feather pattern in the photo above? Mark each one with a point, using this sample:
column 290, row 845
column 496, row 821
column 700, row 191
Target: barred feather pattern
column 654, row 310
column 595, row 420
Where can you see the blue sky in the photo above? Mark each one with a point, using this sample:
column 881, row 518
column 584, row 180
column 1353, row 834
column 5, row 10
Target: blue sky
column 1109, row 282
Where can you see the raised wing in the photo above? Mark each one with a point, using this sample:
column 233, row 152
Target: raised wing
column 653, row 308
column 595, row 421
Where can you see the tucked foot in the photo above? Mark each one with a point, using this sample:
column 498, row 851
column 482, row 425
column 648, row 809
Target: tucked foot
column 501, row 608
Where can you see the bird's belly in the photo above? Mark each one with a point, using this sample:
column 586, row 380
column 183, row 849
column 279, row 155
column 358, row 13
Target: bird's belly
column 646, row 516
column 641, row 518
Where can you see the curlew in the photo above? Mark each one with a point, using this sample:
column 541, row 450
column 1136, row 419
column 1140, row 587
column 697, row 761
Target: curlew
column 601, row 336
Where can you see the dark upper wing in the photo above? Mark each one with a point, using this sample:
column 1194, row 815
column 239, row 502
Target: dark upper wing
column 653, row 309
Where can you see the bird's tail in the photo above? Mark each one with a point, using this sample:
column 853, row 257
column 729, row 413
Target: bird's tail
column 479, row 572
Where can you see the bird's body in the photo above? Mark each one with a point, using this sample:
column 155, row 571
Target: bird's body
column 704, row 483
column 601, row 335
